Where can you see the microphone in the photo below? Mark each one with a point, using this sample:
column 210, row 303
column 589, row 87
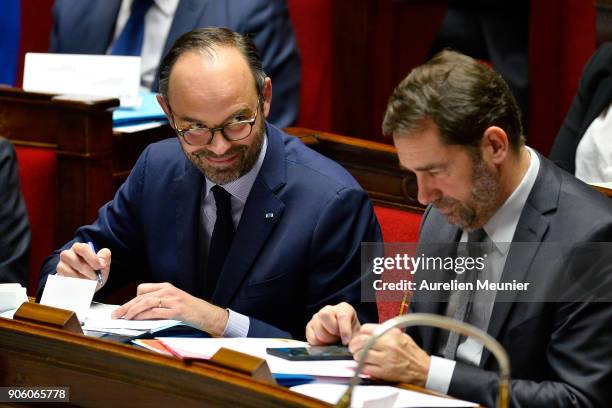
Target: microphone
column 440, row 322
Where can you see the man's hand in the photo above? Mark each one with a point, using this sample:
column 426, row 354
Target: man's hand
column 164, row 301
column 81, row 262
column 333, row 323
column 394, row 356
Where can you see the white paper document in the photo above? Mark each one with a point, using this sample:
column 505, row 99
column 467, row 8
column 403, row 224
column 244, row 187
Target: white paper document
column 12, row 295
column 99, row 319
column 101, row 75
column 69, row 293
column 367, row 396
column 205, row 348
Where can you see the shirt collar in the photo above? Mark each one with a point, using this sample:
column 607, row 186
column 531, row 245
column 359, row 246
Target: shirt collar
column 502, row 225
column 241, row 187
column 168, row 7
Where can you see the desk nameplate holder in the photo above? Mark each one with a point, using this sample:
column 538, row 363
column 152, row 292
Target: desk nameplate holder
column 254, row 367
column 48, row 316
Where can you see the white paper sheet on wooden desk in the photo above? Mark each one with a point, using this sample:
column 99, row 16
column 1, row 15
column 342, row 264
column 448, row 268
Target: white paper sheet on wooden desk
column 69, row 293
column 405, row 398
column 12, row 295
column 99, row 319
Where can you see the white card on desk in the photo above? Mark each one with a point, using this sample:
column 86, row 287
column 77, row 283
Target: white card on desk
column 100, row 75
column 375, row 395
column 12, row 295
column 69, row 293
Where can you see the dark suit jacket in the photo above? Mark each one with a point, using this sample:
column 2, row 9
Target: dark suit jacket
column 87, row 27
column 14, row 228
column 593, row 96
column 280, row 270
column 560, row 352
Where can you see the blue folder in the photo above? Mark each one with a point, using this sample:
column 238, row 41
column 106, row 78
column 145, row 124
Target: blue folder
column 149, row 111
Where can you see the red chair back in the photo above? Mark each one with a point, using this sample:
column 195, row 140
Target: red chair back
column 397, row 226
column 37, row 179
column 312, row 22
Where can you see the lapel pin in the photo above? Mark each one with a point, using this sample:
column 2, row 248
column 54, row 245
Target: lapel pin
column 269, row 215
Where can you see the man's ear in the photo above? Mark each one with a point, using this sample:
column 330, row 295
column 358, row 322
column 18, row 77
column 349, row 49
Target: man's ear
column 267, row 96
column 495, row 145
column 162, row 102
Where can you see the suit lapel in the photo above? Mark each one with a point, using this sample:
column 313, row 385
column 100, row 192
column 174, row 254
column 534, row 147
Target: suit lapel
column 531, row 228
column 187, row 189
column 262, row 211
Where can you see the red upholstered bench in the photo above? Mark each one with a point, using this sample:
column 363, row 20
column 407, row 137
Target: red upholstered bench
column 397, row 226
column 37, row 179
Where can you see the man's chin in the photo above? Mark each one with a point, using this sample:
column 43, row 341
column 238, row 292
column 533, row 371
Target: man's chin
column 460, row 221
column 222, row 177
column 217, row 175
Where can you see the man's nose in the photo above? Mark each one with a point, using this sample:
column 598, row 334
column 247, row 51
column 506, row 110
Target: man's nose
column 428, row 193
column 219, row 145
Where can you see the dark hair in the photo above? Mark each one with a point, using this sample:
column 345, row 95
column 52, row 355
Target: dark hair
column 206, row 40
column 462, row 96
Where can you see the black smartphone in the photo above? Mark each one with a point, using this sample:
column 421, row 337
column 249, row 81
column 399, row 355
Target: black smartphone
column 312, row 353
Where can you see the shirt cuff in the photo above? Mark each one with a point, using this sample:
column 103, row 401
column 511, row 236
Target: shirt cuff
column 237, row 325
column 440, row 374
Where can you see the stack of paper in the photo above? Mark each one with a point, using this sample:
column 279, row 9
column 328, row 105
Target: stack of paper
column 99, row 319
column 12, row 295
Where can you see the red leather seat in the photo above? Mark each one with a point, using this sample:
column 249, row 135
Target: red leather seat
column 312, row 22
column 397, row 226
column 38, row 178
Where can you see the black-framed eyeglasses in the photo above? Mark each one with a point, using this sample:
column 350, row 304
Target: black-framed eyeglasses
column 232, row 131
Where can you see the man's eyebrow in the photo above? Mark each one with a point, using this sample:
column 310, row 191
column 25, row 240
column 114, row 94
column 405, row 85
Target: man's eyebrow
column 188, row 119
column 240, row 111
column 428, row 167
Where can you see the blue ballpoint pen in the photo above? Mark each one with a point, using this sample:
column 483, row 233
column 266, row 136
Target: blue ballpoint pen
column 98, row 272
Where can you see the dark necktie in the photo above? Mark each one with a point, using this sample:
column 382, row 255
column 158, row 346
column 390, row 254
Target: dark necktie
column 130, row 40
column 464, row 302
column 221, row 239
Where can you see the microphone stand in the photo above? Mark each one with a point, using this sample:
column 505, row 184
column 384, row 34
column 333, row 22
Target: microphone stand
column 441, row 322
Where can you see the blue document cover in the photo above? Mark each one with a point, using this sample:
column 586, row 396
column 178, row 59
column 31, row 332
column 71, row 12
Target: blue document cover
column 149, row 111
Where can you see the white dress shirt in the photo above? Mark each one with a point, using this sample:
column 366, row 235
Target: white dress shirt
column 500, row 231
column 594, row 152
column 158, row 21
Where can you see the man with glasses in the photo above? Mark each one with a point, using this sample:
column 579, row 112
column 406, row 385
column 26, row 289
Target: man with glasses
column 239, row 228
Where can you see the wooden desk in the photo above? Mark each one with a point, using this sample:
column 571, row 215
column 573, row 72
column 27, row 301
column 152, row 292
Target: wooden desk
column 101, row 373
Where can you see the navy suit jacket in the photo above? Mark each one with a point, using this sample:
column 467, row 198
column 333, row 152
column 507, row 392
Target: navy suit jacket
column 593, row 96
column 559, row 350
column 280, row 270
column 87, row 27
